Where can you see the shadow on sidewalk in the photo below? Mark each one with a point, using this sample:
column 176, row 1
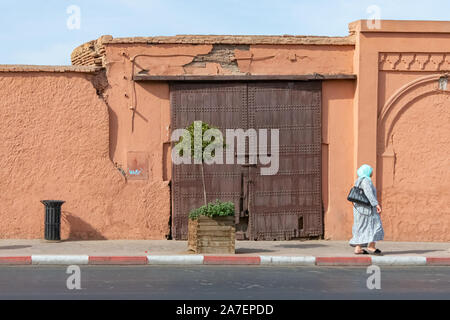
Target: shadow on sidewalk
column 248, row 251
column 14, row 247
column 301, row 246
column 410, row 252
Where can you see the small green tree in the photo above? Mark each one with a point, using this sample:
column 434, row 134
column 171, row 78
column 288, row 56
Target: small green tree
column 204, row 141
column 213, row 209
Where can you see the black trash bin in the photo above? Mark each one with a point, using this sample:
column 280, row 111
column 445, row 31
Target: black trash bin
column 52, row 219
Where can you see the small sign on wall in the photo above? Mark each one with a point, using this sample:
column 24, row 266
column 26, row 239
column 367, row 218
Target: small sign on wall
column 137, row 165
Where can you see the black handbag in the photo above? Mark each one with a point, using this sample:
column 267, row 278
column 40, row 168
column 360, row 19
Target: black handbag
column 357, row 195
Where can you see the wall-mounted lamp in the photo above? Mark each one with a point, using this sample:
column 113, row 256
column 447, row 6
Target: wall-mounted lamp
column 443, row 81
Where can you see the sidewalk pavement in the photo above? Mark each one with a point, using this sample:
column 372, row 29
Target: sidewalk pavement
column 164, row 252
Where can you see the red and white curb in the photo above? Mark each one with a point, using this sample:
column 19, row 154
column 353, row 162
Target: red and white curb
column 225, row 260
column 279, row 260
column 175, row 260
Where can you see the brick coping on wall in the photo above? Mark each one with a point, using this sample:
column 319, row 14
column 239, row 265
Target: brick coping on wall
column 93, row 52
column 234, row 39
column 55, row 69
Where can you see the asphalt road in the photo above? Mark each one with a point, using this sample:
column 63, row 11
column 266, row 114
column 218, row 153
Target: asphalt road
column 224, row 283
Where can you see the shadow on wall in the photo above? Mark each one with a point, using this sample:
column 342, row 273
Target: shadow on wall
column 113, row 132
column 77, row 228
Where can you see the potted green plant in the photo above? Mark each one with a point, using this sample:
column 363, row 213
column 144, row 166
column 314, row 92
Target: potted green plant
column 212, row 229
column 198, row 152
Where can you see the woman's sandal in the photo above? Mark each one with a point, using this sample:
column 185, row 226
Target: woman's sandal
column 377, row 252
column 361, row 252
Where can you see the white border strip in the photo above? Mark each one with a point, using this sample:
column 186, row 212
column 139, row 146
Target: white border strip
column 198, row 260
column 175, row 260
column 281, row 260
column 59, row 260
column 399, row 261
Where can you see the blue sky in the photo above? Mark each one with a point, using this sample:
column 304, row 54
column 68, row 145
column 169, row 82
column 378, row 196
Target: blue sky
column 36, row 32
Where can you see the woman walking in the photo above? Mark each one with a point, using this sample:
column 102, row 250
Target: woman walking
column 367, row 227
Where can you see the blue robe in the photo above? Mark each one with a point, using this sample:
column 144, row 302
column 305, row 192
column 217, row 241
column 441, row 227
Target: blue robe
column 367, row 226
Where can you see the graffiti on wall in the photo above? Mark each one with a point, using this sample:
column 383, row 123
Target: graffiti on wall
column 137, row 166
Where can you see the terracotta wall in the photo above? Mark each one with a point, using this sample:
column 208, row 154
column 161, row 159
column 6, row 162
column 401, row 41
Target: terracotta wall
column 179, row 59
column 296, row 59
column 413, row 149
column 75, row 136
column 140, row 112
column 55, row 145
column 100, row 141
column 152, row 114
column 401, row 125
column 152, row 102
column 337, row 159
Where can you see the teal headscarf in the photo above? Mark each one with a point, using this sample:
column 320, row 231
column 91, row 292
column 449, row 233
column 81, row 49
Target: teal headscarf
column 365, row 171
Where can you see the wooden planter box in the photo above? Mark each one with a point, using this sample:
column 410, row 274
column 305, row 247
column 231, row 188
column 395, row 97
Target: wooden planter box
column 212, row 235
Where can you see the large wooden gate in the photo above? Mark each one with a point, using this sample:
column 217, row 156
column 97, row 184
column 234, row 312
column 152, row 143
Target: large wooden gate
column 268, row 207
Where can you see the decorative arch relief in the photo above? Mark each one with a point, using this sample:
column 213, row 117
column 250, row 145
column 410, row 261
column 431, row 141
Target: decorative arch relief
column 391, row 111
column 408, row 61
column 413, row 90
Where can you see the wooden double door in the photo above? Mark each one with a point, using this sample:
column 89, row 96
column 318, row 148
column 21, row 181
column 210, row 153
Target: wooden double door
column 281, row 206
